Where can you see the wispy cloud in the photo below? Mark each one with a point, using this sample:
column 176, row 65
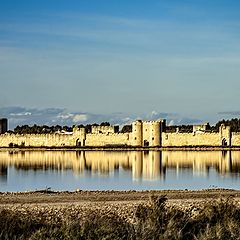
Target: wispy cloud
column 54, row 116
column 230, row 113
column 79, row 118
column 103, row 62
column 155, row 35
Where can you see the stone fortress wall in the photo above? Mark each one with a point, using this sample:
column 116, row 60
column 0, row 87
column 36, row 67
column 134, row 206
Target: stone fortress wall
column 144, row 134
column 200, row 137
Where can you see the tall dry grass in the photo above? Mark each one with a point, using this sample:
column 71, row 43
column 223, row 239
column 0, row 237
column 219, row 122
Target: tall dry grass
column 219, row 219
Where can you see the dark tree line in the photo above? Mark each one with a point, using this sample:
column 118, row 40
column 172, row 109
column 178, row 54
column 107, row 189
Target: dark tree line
column 234, row 123
column 126, row 129
column 181, row 128
column 88, row 127
column 38, row 129
column 41, row 129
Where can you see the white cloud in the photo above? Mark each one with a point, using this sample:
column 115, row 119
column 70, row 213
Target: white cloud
column 154, row 113
column 127, row 119
column 171, row 123
column 80, row 118
column 21, row 114
column 65, row 116
column 49, row 116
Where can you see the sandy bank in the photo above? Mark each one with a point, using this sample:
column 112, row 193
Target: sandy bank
column 123, row 203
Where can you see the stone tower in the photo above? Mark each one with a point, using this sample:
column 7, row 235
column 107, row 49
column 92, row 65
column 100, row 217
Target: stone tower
column 225, row 135
column 147, row 133
column 3, row 125
column 155, row 134
column 80, row 134
column 137, row 133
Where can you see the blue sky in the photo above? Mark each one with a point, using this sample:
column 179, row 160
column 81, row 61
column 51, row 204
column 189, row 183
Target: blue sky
column 127, row 58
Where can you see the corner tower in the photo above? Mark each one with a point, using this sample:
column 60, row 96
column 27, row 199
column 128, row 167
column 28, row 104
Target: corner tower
column 155, row 135
column 137, row 133
column 225, row 135
column 3, row 125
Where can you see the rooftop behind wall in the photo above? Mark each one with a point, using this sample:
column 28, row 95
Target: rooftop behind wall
column 201, row 127
column 104, row 129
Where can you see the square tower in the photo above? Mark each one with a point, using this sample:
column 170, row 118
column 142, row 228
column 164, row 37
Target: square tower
column 3, row 125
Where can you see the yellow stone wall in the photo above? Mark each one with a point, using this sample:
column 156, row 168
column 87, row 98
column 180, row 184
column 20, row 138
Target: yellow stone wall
column 190, row 139
column 236, row 139
column 38, row 140
column 142, row 132
column 107, row 139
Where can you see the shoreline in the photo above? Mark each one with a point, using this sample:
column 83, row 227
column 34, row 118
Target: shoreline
column 169, row 148
column 78, row 196
column 124, row 203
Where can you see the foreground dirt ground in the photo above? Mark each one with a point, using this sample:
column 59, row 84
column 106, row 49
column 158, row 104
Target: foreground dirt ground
column 58, row 206
column 78, row 197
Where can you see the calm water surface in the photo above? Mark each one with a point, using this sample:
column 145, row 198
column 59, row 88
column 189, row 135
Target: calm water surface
column 109, row 170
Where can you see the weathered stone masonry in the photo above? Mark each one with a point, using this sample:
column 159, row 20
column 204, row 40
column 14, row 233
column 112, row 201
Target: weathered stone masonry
column 144, row 133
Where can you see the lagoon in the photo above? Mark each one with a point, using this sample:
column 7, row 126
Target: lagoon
column 118, row 170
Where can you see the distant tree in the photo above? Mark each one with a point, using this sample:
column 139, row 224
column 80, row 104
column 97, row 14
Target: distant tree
column 36, row 129
column 186, row 128
column 181, row 128
column 79, row 126
column 105, row 124
column 170, row 129
column 126, row 129
column 67, row 129
column 234, row 123
column 88, row 128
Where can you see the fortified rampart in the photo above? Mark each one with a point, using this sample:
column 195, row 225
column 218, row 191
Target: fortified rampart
column 235, row 140
column 144, row 134
column 37, row 140
column 190, row 139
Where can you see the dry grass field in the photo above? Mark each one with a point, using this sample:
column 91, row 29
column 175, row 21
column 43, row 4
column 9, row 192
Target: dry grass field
column 207, row 214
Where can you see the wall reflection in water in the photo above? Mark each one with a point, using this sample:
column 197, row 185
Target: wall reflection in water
column 146, row 165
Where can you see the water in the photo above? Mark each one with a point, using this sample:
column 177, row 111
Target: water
column 119, row 170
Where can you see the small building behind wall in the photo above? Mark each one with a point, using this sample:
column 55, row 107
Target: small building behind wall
column 201, row 127
column 3, row 125
column 104, row 129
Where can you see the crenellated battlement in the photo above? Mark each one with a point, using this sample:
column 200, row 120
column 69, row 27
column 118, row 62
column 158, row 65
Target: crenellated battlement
column 144, row 134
